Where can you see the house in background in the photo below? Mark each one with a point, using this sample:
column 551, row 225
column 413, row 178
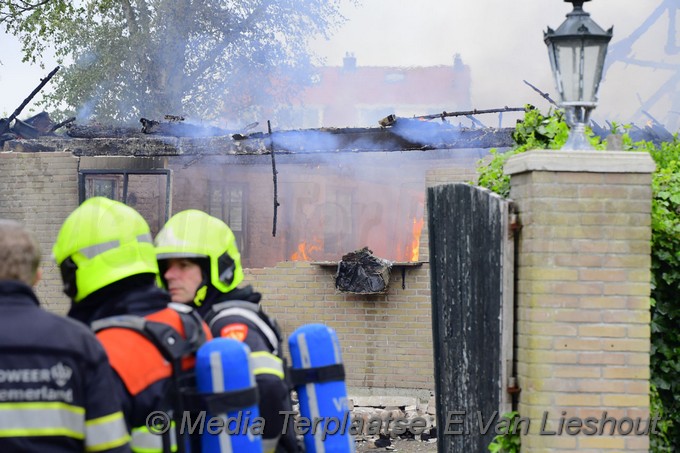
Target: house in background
column 359, row 96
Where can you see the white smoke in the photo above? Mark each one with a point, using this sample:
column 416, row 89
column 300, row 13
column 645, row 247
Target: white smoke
column 502, row 42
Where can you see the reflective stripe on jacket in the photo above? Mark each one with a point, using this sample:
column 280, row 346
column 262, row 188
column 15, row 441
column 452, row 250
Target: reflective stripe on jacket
column 144, row 441
column 60, row 419
column 55, row 382
column 264, row 362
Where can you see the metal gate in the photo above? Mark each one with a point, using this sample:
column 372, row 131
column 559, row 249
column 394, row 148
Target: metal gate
column 471, row 259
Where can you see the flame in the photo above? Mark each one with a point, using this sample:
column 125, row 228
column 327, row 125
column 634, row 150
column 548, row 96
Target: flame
column 304, row 250
column 415, row 244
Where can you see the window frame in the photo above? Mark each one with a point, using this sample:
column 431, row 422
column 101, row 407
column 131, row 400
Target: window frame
column 83, row 174
column 224, row 187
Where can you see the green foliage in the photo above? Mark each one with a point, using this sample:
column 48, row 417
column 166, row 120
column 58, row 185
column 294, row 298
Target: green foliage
column 155, row 57
column 509, row 441
column 549, row 132
column 659, row 442
column 536, row 131
column 665, row 355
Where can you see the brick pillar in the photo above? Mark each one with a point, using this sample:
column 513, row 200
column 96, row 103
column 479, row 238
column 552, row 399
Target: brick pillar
column 583, row 285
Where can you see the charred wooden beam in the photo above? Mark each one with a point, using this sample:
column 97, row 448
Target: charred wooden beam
column 37, row 126
column 63, row 123
column 101, row 131
column 471, row 112
column 25, row 130
column 5, row 122
column 177, row 128
column 274, row 173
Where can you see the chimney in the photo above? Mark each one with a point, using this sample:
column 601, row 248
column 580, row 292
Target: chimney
column 458, row 63
column 349, row 63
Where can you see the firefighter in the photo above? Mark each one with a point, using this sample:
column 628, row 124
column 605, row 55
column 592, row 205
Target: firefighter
column 108, row 265
column 54, row 375
column 200, row 265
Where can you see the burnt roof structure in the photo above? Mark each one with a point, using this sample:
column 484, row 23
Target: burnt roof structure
column 402, row 135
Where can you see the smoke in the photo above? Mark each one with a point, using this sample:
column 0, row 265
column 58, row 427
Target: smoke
column 502, row 42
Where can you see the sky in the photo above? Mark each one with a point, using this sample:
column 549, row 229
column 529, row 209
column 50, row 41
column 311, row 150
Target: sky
column 501, row 41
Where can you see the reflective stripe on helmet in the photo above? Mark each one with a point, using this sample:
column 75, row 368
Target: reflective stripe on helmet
column 97, row 249
column 106, row 432
column 169, row 255
column 144, row 441
column 252, row 317
column 145, row 237
column 264, row 362
column 42, row 419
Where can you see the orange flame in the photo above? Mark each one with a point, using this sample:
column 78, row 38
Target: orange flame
column 415, row 244
column 412, row 250
column 304, row 250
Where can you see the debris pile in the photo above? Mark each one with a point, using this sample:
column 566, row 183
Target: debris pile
column 385, row 418
column 360, row 272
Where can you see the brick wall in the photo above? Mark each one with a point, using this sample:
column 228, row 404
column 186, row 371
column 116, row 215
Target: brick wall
column 583, row 285
column 40, row 190
column 386, row 339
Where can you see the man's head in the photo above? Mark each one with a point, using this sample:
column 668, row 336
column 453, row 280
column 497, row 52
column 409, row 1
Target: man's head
column 183, row 278
column 194, row 245
column 19, row 254
column 101, row 242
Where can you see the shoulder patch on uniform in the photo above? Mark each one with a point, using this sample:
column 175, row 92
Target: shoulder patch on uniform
column 237, row 331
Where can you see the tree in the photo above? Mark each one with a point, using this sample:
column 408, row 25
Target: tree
column 204, row 58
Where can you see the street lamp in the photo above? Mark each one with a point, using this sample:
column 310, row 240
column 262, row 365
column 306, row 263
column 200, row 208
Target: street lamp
column 577, row 50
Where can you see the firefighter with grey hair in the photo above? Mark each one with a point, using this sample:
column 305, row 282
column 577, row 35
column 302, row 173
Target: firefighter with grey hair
column 54, row 375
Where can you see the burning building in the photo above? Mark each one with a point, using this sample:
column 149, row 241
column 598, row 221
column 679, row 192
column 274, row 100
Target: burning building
column 297, row 201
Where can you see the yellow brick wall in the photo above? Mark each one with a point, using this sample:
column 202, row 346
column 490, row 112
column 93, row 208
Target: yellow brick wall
column 386, row 340
column 583, row 285
column 40, row 190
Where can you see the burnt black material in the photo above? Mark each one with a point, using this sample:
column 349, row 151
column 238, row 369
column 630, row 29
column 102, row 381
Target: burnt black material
column 176, row 128
column 362, row 273
column 25, row 130
column 5, row 122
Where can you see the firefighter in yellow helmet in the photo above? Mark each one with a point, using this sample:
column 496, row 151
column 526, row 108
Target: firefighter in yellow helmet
column 108, row 265
column 200, row 265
